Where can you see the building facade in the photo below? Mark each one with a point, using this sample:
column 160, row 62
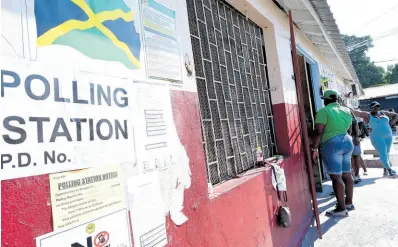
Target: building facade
column 386, row 95
column 225, row 68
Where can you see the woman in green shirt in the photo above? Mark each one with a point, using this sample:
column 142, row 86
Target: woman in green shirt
column 332, row 125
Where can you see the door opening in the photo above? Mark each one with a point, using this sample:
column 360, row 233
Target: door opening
column 310, row 112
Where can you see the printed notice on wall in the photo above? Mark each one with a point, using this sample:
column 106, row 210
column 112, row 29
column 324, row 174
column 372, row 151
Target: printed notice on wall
column 155, row 118
column 160, row 149
column 80, row 196
column 146, row 210
column 57, row 120
column 161, row 43
column 112, row 230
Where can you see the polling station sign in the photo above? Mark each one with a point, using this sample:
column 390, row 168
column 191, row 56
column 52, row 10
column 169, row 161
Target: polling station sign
column 112, row 230
column 54, row 121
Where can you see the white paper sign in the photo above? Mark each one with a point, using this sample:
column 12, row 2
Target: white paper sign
column 79, row 196
column 112, row 230
column 161, row 42
column 53, row 121
column 159, row 147
column 146, row 210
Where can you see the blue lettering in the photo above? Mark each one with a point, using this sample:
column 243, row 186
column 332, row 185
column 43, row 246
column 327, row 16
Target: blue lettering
column 101, row 94
column 76, row 96
column 92, row 98
column 110, row 131
column 28, row 87
column 57, row 97
column 15, row 83
column 124, row 101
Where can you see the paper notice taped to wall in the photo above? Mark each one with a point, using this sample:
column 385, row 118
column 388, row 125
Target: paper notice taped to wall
column 146, row 210
column 161, row 41
column 111, row 230
column 159, row 148
column 80, row 196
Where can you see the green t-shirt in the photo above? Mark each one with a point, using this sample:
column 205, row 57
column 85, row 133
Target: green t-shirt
column 336, row 118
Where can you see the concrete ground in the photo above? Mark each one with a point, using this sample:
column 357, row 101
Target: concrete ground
column 374, row 223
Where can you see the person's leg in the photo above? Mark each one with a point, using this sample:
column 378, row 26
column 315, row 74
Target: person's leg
column 362, row 164
column 339, row 190
column 356, row 164
column 388, row 142
column 333, row 161
column 381, row 147
column 350, row 151
column 349, row 187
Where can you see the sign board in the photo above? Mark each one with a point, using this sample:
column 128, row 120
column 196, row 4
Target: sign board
column 146, row 210
column 83, row 195
column 112, row 230
column 52, row 121
column 161, row 42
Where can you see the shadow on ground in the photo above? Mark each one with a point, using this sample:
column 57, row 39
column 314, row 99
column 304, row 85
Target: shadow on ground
column 326, row 226
column 327, row 201
column 366, row 181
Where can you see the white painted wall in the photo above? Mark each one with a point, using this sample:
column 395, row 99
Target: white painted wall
column 341, row 86
column 275, row 24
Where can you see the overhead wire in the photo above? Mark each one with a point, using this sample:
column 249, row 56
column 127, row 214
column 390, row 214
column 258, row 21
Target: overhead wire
column 390, row 32
column 385, row 61
column 377, row 17
column 387, row 33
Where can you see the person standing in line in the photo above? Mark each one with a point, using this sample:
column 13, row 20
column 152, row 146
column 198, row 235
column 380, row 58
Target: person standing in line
column 393, row 127
column 381, row 136
column 331, row 134
column 362, row 127
column 356, row 154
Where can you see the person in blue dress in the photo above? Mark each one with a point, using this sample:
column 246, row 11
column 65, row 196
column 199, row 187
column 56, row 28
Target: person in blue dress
column 381, row 134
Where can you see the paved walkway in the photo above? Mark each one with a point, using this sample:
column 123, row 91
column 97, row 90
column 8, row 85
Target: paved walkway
column 374, row 223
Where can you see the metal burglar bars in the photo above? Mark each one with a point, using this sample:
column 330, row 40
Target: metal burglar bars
column 231, row 78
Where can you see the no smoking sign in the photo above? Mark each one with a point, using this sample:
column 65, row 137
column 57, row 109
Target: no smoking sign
column 106, row 231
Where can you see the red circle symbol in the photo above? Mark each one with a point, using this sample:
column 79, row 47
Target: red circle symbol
column 101, row 239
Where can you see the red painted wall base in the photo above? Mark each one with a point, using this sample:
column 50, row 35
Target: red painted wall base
column 244, row 216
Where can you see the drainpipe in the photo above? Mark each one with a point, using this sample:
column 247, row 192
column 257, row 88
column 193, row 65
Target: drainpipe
column 304, row 131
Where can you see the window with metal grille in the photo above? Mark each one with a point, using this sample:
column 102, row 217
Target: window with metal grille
column 231, row 76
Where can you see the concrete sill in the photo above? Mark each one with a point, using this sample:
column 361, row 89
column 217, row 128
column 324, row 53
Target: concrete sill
column 220, row 189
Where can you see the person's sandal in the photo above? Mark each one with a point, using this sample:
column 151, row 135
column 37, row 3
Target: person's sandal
column 337, row 213
column 350, row 207
column 393, row 174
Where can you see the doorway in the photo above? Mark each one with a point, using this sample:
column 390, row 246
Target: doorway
column 308, row 99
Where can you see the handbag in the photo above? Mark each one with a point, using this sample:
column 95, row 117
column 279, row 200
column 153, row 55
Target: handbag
column 284, row 218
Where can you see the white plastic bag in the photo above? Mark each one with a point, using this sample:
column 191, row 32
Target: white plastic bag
column 280, row 176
